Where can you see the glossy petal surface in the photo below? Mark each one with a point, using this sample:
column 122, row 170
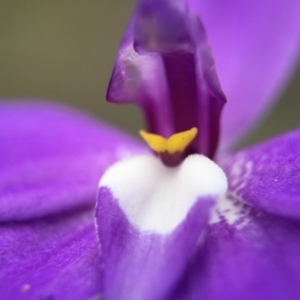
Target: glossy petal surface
column 255, row 44
column 267, row 176
column 259, row 260
column 51, row 258
column 52, row 158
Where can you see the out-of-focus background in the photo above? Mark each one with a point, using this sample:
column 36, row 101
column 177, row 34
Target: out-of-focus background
column 65, row 50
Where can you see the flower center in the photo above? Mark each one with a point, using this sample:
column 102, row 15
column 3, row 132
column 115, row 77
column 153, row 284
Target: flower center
column 173, row 149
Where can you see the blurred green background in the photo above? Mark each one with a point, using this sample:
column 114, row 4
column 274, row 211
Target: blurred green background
column 65, row 50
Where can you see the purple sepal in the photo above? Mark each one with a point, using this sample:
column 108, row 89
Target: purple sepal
column 145, row 265
column 55, row 257
column 52, row 158
column 256, row 46
column 257, row 261
column 165, row 66
column 267, row 176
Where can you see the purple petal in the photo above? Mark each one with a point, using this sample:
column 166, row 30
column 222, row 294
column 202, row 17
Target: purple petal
column 267, row 176
column 258, row 261
column 51, row 258
column 144, row 265
column 51, row 158
column 165, row 66
column 255, row 44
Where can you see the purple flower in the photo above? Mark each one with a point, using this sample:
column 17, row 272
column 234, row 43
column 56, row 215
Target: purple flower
column 161, row 232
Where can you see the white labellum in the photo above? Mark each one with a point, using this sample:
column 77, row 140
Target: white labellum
column 157, row 198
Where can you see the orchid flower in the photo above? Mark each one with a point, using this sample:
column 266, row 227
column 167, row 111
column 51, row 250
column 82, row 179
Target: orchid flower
column 182, row 218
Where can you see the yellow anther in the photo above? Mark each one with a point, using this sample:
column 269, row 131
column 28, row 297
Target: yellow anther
column 156, row 142
column 179, row 141
column 176, row 143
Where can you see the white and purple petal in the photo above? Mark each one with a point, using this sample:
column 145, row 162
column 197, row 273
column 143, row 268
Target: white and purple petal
column 252, row 250
column 150, row 219
column 267, row 176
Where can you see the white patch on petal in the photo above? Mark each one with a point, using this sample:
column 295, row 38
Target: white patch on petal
column 158, row 198
column 240, row 173
column 231, row 207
